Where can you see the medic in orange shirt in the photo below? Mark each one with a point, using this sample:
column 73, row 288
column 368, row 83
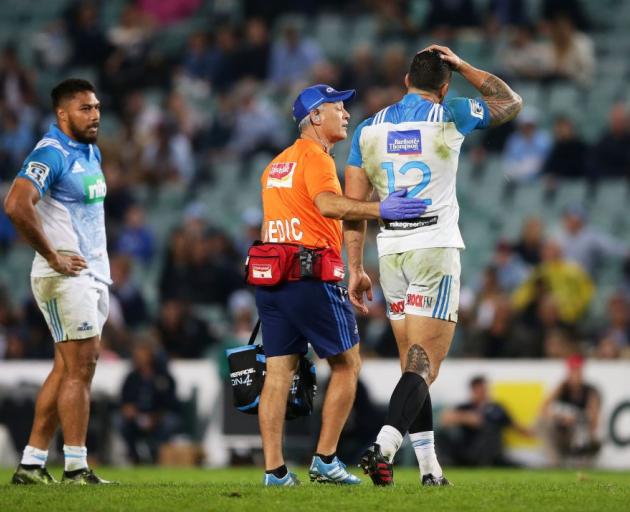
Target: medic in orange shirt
column 303, row 204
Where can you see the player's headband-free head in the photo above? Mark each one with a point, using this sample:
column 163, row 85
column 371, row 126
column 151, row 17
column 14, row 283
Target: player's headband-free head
column 313, row 96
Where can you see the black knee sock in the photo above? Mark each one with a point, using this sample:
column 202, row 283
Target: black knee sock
column 423, row 422
column 406, row 401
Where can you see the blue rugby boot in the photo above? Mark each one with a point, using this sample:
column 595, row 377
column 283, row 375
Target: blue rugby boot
column 288, row 480
column 333, row 473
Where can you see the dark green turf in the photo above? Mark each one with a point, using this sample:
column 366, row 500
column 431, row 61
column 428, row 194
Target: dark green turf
column 157, row 489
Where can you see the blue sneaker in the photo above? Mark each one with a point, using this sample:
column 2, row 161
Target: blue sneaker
column 288, row 480
column 333, row 473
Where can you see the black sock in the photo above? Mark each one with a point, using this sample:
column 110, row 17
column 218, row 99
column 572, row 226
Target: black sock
column 31, row 466
column 406, row 401
column 423, row 422
column 279, row 472
column 326, row 459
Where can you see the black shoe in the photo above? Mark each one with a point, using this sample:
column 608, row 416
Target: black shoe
column 83, row 476
column 29, row 475
column 434, row 481
column 374, row 464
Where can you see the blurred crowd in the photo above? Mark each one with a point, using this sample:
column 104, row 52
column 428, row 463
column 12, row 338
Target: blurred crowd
column 176, row 108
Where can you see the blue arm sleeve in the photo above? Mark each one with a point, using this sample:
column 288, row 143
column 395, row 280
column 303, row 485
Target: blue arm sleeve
column 468, row 114
column 42, row 167
column 355, row 158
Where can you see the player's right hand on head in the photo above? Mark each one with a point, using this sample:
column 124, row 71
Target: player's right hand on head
column 67, row 264
column 397, row 206
column 447, row 54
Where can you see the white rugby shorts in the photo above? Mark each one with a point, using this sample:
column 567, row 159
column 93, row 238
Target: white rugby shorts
column 75, row 308
column 421, row 282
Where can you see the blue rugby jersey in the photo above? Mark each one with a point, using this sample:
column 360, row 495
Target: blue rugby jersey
column 72, row 187
column 415, row 144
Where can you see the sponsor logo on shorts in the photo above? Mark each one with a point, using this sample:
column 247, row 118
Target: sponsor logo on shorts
column 404, row 142
column 419, row 301
column 85, row 326
column 38, row 172
column 281, row 175
column 397, row 307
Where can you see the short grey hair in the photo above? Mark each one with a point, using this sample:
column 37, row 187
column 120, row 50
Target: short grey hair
column 306, row 120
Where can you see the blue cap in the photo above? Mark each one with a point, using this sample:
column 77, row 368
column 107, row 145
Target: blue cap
column 313, row 96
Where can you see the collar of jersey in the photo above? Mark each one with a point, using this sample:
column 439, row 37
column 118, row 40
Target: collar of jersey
column 412, row 98
column 67, row 141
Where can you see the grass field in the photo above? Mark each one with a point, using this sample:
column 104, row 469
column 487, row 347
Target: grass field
column 156, row 489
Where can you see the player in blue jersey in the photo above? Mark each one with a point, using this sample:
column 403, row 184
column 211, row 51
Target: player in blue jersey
column 414, row 146
column 56, row 203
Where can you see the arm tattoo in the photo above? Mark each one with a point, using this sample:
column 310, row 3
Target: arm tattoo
column 418, row 362
column 504, row 104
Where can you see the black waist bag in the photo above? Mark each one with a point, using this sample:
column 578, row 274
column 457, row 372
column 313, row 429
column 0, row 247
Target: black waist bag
column 247, row 374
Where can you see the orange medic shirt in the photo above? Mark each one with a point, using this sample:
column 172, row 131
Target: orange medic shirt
column 290, row 184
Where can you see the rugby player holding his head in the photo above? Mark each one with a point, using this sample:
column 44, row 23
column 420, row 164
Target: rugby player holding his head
column 413, row 146
column 56, row 204
column 303, row 204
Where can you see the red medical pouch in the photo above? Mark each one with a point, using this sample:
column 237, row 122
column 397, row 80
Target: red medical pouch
column 270, row 264
column 329, row 266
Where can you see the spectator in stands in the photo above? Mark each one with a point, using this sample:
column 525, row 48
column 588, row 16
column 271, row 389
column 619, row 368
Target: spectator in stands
column 560, row 343
column 88, row 40
column 568, row 157
column 571, row 418
column 522, row 58
column 511, row 271
column 394, row 64
column 16, row 83
column 292, row 57
column 257, row 125
column 119, row 197
column 492, row 318
column 614, row 339
column 571, row 54
column 529, row 245
column 16, row 141
column 52, row 47
column 132, row 303
column 129, row 63
column 526, row 149
column 198, row 60
column 224, row 56
column 563, row 282
column 168, row 157
column 585, row 245
column 573, row 9
column 473, row 430
column 136, row 238
column 360, row 71
column 445, row 17
column 611, row 157
column 254, row 52
column 505, row 13
column 183, row 335
column 150, row 412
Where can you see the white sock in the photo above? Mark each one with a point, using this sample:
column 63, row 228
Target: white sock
column 389, row 439
column 34, row 456
column 424, row 446
column 75, row 457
